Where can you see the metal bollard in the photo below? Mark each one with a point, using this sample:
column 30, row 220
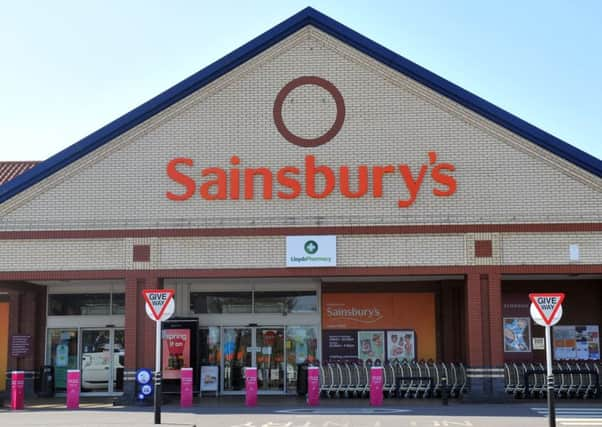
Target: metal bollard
column 17, row 390
column 444, row 391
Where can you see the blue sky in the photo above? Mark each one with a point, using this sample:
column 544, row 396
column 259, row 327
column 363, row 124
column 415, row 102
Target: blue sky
column 69, row 67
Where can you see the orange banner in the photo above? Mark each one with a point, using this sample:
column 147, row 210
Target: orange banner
column 375, row 311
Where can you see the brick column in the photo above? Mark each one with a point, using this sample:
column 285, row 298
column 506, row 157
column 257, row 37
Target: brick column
column 484, row 329
column 496, row 336
column 477, row 387
column 474, row 320
column 27, row 316
column 139, row 329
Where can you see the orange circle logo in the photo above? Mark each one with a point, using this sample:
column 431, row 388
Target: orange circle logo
column 309, row 142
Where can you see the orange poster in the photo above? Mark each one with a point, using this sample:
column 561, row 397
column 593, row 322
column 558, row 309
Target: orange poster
column 384, row 311
column 176, row 352
column 357, row 311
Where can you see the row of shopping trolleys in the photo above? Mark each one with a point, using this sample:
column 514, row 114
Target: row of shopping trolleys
column 405, row 379
column 571, row 380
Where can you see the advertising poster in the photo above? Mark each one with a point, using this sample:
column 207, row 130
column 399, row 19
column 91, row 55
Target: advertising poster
column 62, row 355
column 401, row 345
column 384, row 311
column 517, row 334
column 371, row 345
column 176, row 352
column 339, row 345
column 209, row 377
column 576, row 342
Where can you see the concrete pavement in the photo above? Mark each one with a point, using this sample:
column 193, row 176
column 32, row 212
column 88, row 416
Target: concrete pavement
column 291, row 412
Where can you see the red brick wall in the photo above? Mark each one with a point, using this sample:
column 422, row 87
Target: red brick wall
column 474, row 319
column 484, row 323
column 495, row 319
column 139, row 329
column 582, row 306
column 452, row 321
column 27, row 316
column 483, row 248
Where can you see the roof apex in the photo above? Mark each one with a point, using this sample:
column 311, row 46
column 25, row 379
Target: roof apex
column 307, row 16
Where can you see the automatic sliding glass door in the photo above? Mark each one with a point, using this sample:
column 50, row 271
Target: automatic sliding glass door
column 236, row 344
column 270, row 359
column 102, row 353
column 262, row 348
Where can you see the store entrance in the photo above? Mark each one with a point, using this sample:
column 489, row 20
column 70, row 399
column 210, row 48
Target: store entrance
column 260, row 347
column 102, row 360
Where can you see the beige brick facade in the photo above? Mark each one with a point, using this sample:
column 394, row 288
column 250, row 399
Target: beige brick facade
column 514, row 211
column 531, row 248
column 390, row 120
column 269, row 251
column 352, row 251
column 63, row 254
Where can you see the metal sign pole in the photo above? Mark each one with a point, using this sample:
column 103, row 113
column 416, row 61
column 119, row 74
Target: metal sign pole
column 159, row 306
column 158, row 372
column 551, row 409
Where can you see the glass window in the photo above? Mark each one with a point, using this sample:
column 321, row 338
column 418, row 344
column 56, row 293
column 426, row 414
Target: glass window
column 118, row 305
column 236, row 357
column 286, row 302
column 78, row 304
column 301, row 346
column 61, row 352
column 220, row 302
column 210, row 353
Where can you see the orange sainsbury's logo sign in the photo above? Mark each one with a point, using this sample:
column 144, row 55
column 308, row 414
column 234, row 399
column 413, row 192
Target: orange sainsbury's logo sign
column 311, row 179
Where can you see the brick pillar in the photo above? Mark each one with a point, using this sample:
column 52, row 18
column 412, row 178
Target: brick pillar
column 477, row 387
column 139, row 329
column 27, row 316
column 496, row 336
column 484, row 328
column 474, row 320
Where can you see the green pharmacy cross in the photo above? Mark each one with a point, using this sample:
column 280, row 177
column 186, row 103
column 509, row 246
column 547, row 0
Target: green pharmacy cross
column 311, row 247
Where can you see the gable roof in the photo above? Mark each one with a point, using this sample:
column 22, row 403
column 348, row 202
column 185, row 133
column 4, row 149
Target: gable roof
column 10, row 170
column 308, row 16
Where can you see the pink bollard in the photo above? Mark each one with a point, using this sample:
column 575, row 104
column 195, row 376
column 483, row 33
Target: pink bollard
column 376, row 386
column 313, row 386
column 17, row 390
column 186, row 387
column 251, row 386
column 73, row 388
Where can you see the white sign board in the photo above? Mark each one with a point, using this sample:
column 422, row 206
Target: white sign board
column 546, row 309
column 539, row 343
column 159, row 305
column 311, row 251
column 538, row 318
column 209, row 378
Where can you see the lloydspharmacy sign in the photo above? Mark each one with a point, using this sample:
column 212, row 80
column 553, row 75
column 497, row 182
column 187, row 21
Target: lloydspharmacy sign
column 311, row 251
column 237, row 181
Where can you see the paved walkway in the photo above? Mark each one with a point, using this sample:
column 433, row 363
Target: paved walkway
column 292, row 412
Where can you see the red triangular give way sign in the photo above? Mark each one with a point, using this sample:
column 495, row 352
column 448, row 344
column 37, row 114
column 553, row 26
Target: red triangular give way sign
column 547, row 305
column 157, row 300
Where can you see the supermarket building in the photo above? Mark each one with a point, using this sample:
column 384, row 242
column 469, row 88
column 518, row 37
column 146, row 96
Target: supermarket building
column 311, row 196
